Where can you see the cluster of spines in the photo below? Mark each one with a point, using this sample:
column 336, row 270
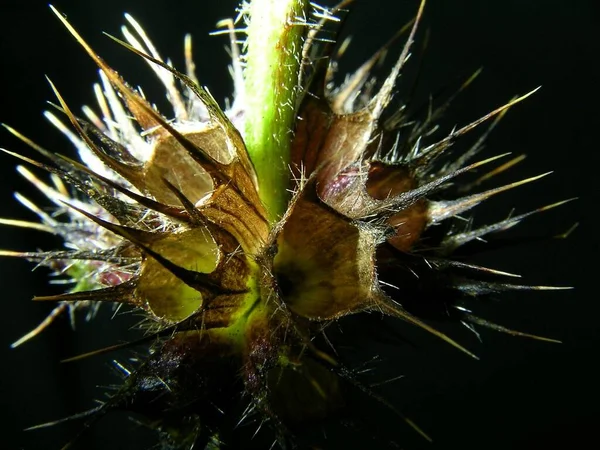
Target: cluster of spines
column 341, row 185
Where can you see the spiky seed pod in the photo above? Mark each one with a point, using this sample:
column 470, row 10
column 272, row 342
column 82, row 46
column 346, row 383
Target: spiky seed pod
column 237, row 294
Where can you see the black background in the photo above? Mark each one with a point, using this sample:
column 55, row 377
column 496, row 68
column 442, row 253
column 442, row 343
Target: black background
column 522, row 394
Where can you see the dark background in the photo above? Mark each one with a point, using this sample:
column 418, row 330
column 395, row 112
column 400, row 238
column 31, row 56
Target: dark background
column 523, row 394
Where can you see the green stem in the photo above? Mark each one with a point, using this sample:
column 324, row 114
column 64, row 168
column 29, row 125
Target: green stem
column 273, row 58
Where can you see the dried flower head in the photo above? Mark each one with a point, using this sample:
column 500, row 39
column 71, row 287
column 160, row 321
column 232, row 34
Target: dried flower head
column 243, row 234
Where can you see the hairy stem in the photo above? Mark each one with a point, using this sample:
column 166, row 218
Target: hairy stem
column 274, row 51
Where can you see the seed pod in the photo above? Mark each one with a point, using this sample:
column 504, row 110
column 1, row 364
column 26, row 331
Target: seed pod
column 172, row 220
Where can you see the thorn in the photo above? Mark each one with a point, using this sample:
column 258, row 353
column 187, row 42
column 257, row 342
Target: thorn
column 443, row 263
column 380, row 101
column 112, row 348
column 567, row 233
column 24, row 224
column 458, row 133
column 494, row 172
column 42, row 326
column 355, row 83
column 81, row 415
column 408, row 198
column 442, row 210
column 452, row 242
column 479, row 321
column 142, row 200
column 121, row 293
column 390, row 308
